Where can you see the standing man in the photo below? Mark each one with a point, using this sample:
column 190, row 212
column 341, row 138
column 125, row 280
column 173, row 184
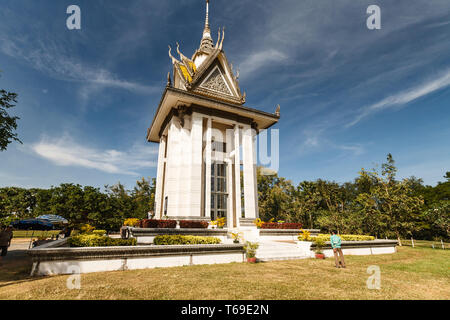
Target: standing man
column 6, row 235
column 336, row 245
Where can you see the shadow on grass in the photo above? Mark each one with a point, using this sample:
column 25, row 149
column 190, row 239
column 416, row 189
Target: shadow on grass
column 15, row 268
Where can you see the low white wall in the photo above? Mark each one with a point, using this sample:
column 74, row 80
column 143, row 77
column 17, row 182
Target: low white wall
column 89, row 266
column 362, row 251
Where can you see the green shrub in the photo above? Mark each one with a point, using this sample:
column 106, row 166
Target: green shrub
column 99, row 232
column 94, row 240
column 86, row 228
column 180, row 239
column 131, row 222
column 348, row 237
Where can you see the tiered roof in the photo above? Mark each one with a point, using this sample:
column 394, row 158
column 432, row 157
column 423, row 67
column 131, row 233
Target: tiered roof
column 208, row 72
column 207, row 83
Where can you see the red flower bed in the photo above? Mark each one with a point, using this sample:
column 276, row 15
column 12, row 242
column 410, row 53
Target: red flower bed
column 193, row 224
column 153, row 223
column 275, row 225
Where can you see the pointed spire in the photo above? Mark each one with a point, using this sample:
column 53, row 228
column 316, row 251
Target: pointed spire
column 218, row 40
column 207, row 42
column 174, row 60
column 223, row 37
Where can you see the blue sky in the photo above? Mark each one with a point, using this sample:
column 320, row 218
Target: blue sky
column 348, row 95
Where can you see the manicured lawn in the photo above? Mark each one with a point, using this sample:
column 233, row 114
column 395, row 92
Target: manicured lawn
column 425, row 244
column 34, row 234
column 417, row 273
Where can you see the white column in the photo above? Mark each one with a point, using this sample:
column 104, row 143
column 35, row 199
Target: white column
column 237, row 173
column 255, row 177
column 159, row 177
column 172, row 187
column 196, row 166
column 208, row 169
column 229, row 175
column 249, row 173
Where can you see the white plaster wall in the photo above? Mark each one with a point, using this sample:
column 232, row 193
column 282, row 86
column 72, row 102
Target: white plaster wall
column 89, row 266
column 249, row 177
column 184, row 167
column 217, row 258
column 179, row 161
column 159, row 178
column 184, row 170
column 383, row 250
column 171, row 186
column 367, row 251
column 196, row 143
column 67, row 267
column 249, row 233
column 208, row 169
column 237, row 172
column 157, row 262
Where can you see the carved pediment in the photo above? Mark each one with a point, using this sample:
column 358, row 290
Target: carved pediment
column 216, row 82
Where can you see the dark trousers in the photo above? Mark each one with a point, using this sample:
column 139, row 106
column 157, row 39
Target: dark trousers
column 4, row 250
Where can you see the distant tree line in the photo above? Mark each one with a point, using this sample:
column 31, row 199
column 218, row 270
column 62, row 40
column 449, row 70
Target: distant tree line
column 375, row 203
column 80, row 205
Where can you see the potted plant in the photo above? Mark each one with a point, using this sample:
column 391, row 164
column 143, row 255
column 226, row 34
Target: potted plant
column 221, row 222
column 250, row 251
column 319, row 242
column 258, row 223
column 236, row 237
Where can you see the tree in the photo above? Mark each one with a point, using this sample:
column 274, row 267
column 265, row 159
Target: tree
column 16, row 203
column 8, row 124
column 336, row 206
column 439, row 218
column 275, row 198
column 121, row 202
column 144, row 197
column 306, row 203
column 67, row 201
column 390, row 206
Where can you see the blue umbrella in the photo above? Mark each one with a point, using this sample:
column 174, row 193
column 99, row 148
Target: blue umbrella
column 53, row 218
column 32, row 224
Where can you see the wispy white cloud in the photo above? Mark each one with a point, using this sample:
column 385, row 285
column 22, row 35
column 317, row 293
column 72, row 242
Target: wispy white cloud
column 66, row 152
column 438, row 24
column 52, row 60
column 404, row 97
column 355, row 149
column 315, row 140
column 261, row 59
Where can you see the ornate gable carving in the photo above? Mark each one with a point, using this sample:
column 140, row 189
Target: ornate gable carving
column 216, row 82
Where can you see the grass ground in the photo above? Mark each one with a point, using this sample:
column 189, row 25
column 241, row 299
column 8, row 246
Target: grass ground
column 34, row 234
column 426, row 244
column 412, row 273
